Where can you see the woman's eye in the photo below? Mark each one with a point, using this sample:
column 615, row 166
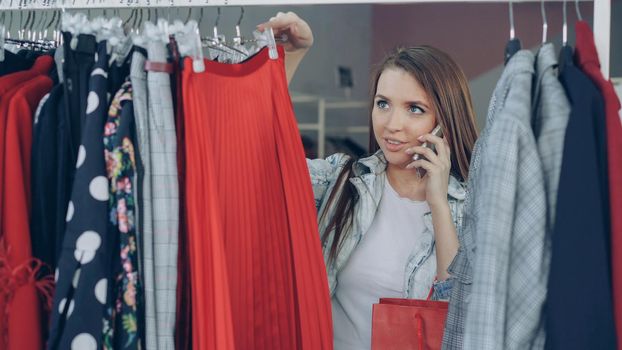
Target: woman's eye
column 382, row 104
column 415, row 109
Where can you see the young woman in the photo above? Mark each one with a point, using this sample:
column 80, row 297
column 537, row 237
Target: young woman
column 386, row 232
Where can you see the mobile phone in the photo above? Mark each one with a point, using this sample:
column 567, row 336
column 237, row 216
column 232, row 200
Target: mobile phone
column 437, row 131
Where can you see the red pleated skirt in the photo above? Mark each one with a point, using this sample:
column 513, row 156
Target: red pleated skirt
column 258, row 275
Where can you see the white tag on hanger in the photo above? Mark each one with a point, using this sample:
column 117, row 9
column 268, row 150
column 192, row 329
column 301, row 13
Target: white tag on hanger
column 198, row 65
column 189, row 44
column 267, row 39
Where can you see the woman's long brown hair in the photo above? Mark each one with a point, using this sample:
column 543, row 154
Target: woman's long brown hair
column 448, row 92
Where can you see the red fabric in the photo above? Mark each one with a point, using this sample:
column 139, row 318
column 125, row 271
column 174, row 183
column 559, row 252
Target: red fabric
column 42, row 65
column 408, row 324
column 16, row 268
column 23, row 305
column 10, row 83
column 259, row 280
column 183, row 322
column 587, row 59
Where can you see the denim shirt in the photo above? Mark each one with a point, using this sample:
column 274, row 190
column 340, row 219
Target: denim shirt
column 369, row 176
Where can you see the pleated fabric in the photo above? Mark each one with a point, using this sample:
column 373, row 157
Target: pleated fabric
column 259, row 280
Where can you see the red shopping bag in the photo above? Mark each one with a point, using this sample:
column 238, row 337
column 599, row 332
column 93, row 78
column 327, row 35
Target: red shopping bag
column 399, row 324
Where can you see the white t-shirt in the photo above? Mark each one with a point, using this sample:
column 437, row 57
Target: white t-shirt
column 376, row 268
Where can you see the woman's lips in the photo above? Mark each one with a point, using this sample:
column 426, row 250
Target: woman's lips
column 393, row 145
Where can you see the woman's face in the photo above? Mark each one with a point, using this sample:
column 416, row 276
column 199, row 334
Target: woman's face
column 402, row 112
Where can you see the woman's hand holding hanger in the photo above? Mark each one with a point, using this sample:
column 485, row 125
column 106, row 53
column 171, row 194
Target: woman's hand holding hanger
column 299, row 38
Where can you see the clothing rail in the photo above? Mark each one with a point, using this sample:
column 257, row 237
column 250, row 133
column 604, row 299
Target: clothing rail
column 602, row 10
column 71, row 4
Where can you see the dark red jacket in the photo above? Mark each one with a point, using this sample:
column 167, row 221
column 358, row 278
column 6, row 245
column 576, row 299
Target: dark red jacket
column 20, row 300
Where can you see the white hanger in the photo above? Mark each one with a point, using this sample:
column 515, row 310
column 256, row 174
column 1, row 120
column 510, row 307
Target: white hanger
column 188, row 39
column 267, row 39
column 512, row 32
column 2, row 34
column 545, row 25
column 576, row 6
column 565, row 26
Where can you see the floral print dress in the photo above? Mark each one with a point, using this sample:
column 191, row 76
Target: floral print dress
column 121, row 322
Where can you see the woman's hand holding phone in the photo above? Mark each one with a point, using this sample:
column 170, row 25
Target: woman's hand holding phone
column 433, row 157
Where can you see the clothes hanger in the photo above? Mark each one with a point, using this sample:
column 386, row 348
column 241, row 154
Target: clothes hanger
column 213, row 44
column 137, row 19
column 57, row 26
column 545, row 25
column 238, row 40
column 27, row 35
column 189, row 41
column 217, row 45
column 130, row 18
column 75, row 24
column 88, row 11
column 38, row 30
column 112, row 30
column 232, row 52
column 2, row 33
column 565, row 56
column 576, row 6
column 20, row 32
column 564, row 26
column 267, row 39
column 44, row 23
column 513, row 45
column 238, row 36
column 8, row 28
column 30, row 35
column 140, row 21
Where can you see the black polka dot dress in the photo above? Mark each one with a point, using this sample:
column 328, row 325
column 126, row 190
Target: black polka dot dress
column 84, row 265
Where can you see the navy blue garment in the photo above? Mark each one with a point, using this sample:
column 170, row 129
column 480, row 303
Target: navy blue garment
column 117, row 74
column 78, row 311
column 15, row 63
column 45, row 179
column 579, row 310
column 77, row 67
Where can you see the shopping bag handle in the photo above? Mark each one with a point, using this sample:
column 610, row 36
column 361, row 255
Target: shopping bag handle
column 430, row 294
column 419, row 330
column 432, row 288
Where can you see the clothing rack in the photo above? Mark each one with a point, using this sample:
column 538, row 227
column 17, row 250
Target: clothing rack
column 602, row 10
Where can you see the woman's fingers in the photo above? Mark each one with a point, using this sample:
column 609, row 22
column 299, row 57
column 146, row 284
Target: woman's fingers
column 426, row 152
column 421, row 163
column 443, row 151
column 438, row 142
column 299, row 34
column 278, row 22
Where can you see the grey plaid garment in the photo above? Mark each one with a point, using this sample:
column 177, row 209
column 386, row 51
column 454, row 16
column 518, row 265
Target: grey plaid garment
column 138, row 77
column 551, row 110
column 499, row 167
column 509, row 226
column 164, row 202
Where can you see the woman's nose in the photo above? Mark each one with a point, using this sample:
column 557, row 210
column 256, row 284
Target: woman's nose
column 394, row 122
